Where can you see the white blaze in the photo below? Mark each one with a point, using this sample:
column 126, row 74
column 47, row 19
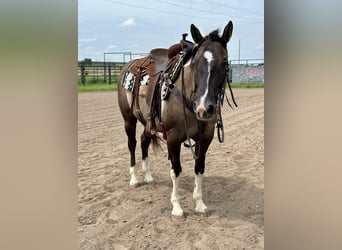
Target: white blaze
column 209, row 56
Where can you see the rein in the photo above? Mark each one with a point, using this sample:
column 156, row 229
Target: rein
column 185, row 120
column 230, row 90
column 219, row 122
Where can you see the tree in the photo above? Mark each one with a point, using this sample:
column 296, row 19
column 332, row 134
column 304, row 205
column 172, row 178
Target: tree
column 87, row 61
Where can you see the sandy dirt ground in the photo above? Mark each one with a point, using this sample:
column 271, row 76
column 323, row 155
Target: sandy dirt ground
column 111, row 215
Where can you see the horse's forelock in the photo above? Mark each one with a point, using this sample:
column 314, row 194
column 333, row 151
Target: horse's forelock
column 214, row 36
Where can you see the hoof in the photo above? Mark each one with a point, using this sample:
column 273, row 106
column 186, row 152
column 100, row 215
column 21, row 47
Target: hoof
column 177, row 218
column 150, row 182
column 201, row 208
column 134, row 185
column 204, row 213
column 177, row 211
column 148, row 179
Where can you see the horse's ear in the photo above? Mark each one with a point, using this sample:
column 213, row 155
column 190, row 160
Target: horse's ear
column 196, row 34
column 227, row 33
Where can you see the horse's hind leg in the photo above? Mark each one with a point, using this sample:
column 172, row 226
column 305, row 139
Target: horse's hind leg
column 130, row 128
column 145, row 143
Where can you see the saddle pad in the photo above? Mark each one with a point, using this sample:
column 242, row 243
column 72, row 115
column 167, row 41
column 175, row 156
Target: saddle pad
column 129, row 78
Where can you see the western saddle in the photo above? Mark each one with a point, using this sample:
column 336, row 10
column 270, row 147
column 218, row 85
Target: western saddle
column 160, row 65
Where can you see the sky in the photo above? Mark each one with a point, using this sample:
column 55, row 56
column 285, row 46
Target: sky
column 137, row 26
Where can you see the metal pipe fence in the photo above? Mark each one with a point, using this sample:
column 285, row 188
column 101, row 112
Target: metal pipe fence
column 246, row 71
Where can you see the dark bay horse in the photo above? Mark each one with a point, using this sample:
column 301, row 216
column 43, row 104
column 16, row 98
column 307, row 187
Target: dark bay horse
column 201, row 85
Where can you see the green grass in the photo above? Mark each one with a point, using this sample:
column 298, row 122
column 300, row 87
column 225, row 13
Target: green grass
column 93, row 84
column 247, row 85
column 101, row 86
column 97, row 87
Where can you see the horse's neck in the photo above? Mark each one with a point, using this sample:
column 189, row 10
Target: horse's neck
column 189, row 83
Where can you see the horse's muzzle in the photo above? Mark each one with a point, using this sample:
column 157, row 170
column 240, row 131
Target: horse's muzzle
column 204, row 111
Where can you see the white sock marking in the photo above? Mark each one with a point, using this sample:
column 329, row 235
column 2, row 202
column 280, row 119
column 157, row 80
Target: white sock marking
column 146, row 170
column 177, row 209
column 197, row 194
column 132, row 172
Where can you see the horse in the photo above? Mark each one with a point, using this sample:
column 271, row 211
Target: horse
column 190, row 109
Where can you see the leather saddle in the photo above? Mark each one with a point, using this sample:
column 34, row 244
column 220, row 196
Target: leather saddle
column 148, row 71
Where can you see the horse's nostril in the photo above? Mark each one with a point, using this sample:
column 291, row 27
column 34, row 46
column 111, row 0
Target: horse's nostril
column 210, row 109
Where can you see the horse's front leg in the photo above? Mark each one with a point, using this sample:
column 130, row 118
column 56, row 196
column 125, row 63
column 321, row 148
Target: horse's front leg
column 174, row 157
column 201, row 150
column 197, row 195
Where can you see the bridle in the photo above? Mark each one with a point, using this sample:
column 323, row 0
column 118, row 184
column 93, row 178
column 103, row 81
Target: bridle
column 220, row 97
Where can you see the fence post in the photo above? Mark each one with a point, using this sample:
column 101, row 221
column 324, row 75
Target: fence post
column 104, row 73
column 83, row 74
column 109, row 74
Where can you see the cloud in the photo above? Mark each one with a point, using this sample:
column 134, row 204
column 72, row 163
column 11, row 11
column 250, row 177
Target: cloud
column 112, row 46
column 87, row 40
column 128, row 22
column 90, row 52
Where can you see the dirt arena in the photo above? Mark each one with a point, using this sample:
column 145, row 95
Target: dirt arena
column 113, row 216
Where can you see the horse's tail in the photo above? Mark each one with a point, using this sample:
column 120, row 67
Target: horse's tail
column 156, row 142
column 151, row 132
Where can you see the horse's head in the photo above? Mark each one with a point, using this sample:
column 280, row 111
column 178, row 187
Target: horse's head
column 209, row 65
